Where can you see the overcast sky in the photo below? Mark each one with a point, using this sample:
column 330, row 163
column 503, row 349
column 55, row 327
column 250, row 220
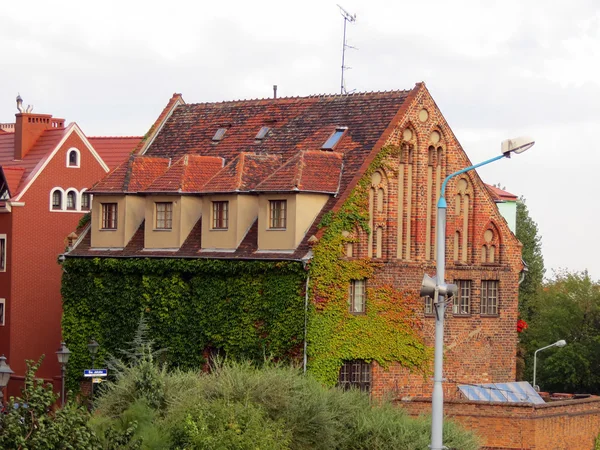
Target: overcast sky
column 497, row 69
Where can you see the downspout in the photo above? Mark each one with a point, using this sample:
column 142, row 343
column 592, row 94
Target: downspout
column 305, row 355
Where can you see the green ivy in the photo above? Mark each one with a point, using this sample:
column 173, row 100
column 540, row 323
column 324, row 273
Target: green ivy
column 387, row 332
column 247, row 309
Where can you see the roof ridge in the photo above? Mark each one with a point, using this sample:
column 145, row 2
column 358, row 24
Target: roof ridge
column 114, row 137
column 298, row 97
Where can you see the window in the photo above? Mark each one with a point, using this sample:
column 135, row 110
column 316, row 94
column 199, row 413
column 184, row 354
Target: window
column 2, row 308
column 219, row 134
column 334, row 138
column 56, row 199
column 489, row 297
column 262, row 133
column 73, row 158
column 355, row 374
column 2, row 253
column 357, row 296
column 71, row 200
column 220, row 215
column 164, row 215
column 277, row 213
column 109, row 216
column 428, row 305
column 85, row 201
column 462, row 300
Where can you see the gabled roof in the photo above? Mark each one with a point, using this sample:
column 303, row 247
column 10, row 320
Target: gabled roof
column 133, row 175
column 187, row 175
column 13, row 176
column 34, row 159
column 243, row 173
column 307, row 171
column 114, row 149
column 500, row 195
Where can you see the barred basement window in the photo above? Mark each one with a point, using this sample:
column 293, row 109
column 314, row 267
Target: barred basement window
column 355, row 374
column 462, row 301
column 489, row 297
column 164, row 215
column 357, row 296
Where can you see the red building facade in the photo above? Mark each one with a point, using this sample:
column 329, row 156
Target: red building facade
column 45, row 169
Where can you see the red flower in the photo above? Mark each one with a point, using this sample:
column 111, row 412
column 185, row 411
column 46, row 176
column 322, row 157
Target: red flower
column 521, row 325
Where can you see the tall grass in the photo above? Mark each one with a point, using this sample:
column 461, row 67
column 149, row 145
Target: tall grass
column 241, row 406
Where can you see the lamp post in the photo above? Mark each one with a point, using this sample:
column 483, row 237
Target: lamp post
column 441, row 290
column 560, row 343
column 63, row 354
column 93, row 349
column 5, row 373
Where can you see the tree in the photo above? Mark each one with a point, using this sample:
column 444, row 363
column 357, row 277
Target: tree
column 568, row 308
column 30, row 422
column 527, row 233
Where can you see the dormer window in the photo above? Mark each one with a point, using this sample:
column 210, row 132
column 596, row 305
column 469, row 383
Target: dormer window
column 219, row 134
column 334, row 138
column 73, row 158
column 262, row 133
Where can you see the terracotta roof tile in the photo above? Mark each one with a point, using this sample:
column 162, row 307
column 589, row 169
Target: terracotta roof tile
column 307, row 171
column 189, row 174
column 500, row 194
column 13, row 176
column 133, row 175
column 114, row 150
column 243, row 173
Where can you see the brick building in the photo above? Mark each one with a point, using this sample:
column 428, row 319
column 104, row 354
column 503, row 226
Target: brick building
column 46, row 167
column 252, row 180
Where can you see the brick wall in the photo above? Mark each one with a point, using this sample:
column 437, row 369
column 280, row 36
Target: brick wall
column 478, row 348
column 565, row 425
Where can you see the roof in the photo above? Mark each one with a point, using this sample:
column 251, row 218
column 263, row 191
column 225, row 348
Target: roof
column 500, row 195
column 243, row 174
column 34, row 159
column 289, row 158
column 114, row 149
column 13, row 176
column 187, row 175
column 308, row 171
column 133, row 175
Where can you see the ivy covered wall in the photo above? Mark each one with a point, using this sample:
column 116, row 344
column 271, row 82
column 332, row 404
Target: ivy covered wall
column 247, row 309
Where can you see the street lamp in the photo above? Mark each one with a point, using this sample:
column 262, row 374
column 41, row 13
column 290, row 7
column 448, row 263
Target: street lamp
column 5, row 373
column 63, row 354
column 440, row 289
column 93, row 349
column 560, row 343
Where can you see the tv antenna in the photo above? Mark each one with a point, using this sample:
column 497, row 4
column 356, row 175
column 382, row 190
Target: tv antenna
column 347, row 18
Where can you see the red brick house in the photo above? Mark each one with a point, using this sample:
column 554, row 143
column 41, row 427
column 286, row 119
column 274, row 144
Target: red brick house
column 252, row 180
column 46, row 168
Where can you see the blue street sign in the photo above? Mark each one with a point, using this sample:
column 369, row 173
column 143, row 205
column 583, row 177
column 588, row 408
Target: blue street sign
column 93, row 373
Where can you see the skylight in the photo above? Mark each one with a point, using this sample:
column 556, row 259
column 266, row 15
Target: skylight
column 219, row 134
column 334, row 138
column 262, row 133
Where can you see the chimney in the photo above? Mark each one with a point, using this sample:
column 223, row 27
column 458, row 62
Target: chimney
column 29, row 127
column 274, row 91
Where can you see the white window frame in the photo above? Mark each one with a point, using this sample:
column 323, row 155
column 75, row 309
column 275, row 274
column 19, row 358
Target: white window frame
column 167, row 216
column 62, row 196
column 116, row 216
column 352, row 297
column 76, row 166
column 80, row 198
column 4, row 252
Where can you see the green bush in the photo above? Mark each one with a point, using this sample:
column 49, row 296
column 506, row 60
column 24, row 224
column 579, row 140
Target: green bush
column 241, row 406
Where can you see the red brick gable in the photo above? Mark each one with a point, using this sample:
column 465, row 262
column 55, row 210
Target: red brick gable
column 113, row 150
column 189, row 174
column 243, row 173
column 134, row 175
column 308, row 171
